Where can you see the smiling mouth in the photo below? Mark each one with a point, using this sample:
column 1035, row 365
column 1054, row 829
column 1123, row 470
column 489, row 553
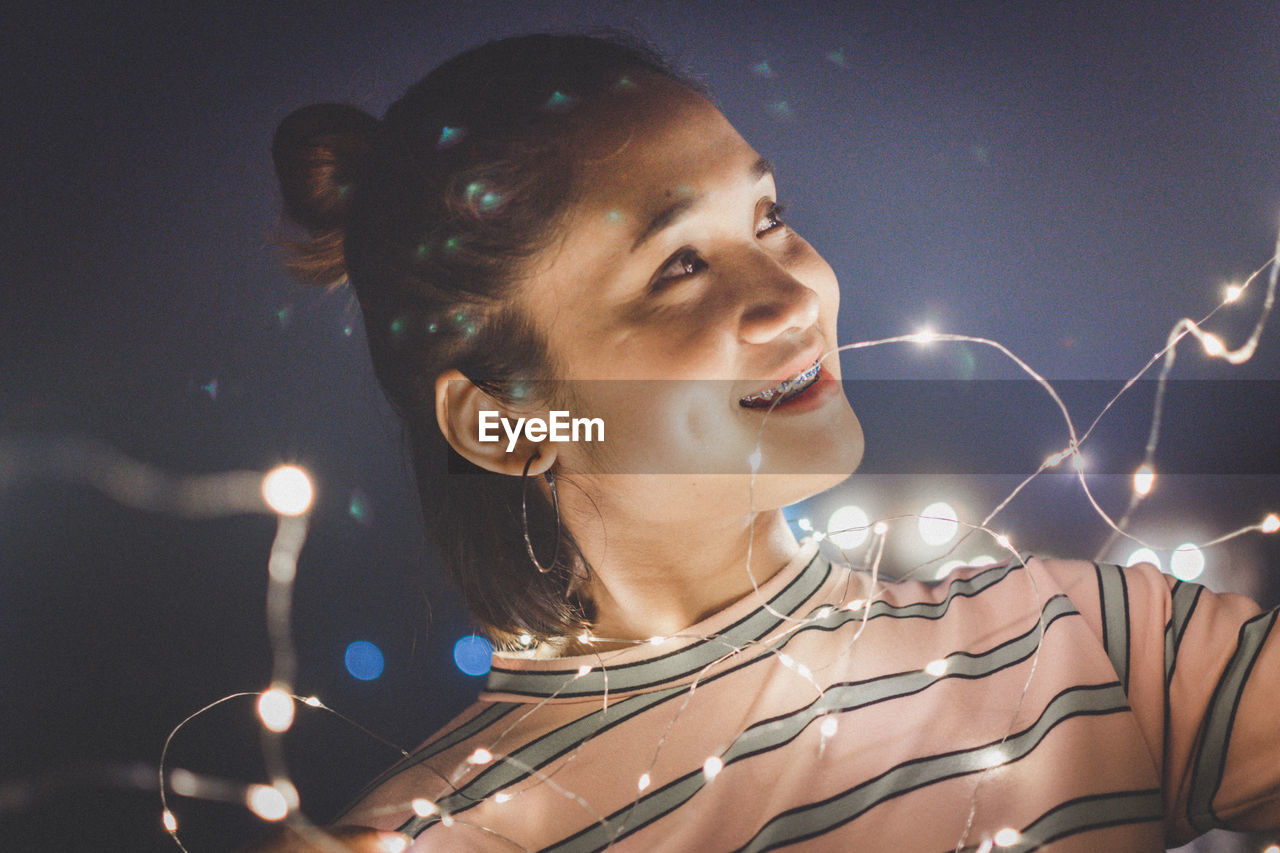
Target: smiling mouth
column 784, row 390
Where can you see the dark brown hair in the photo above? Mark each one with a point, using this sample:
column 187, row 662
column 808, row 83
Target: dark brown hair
column 431, row 214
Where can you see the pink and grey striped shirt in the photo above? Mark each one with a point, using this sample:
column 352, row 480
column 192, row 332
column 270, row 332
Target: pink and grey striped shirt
column 1040, row 705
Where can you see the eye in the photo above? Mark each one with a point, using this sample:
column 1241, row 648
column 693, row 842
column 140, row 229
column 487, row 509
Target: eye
column 684, row 263
column 772, row 220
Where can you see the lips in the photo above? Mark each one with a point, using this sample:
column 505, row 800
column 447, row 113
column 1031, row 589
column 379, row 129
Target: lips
column 784, row 390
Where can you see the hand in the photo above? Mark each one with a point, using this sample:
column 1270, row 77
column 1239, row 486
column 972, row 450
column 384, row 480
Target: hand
column 355, row 839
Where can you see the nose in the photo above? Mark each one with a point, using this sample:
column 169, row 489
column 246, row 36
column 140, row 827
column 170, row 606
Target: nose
column 776, row 303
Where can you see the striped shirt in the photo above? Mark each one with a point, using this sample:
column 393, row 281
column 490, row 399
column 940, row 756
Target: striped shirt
column 1043, row 704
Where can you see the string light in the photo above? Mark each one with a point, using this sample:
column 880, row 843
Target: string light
column 991, row 757
column 423, row 807
column 925, row 336
column 170, row 822
column 828, row 727
column 1007, row 837
column 711, row 767
column 275, row 709
column 267, row 802
column 643, row 782
column 1270, row 524
column 287, row 490
column 1232, row 292
column 1144, row 479
column 936, row 668
column 480, row 756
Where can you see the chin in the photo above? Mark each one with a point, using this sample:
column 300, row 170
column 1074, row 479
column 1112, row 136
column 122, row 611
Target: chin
column 824, row 465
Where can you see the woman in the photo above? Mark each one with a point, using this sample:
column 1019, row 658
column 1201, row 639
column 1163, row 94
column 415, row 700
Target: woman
column 563, row 224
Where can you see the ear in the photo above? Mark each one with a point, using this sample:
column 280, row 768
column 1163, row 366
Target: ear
column 459, row 407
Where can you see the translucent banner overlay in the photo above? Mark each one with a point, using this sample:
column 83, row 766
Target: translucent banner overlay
column 907, row 427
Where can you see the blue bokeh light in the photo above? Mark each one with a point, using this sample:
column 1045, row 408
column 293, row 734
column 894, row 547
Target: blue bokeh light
column 364, row 660
column 471, row 654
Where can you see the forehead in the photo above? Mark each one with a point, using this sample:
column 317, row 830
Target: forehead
column 652, row 144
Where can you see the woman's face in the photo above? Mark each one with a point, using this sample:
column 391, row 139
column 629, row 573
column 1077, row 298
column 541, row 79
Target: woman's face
column 676, row 294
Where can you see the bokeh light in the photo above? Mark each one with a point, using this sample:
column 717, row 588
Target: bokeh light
column 1007, row 837
column 364, row 660
column 1144, row 479
column 938, row 523
column 1187, row 562
column 267, row 802
column 287, row 490
column 1144, row 555
column 275, row 709
column 847, row 526
column 473, row 654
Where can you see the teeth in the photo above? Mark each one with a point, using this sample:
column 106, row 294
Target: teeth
column 786, row 387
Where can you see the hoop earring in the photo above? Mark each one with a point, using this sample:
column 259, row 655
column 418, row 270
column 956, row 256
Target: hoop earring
column 524, row 515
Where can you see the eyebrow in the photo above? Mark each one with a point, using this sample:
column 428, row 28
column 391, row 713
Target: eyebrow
column 669, row 214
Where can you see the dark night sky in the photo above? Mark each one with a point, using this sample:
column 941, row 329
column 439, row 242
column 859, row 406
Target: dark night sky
column 1069, row 178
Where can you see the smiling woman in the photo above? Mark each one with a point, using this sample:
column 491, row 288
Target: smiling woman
column 554, row 224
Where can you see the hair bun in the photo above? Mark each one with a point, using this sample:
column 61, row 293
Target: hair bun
column 320, row 153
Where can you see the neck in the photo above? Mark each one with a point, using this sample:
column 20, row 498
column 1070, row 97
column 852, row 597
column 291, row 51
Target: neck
column 656, row 580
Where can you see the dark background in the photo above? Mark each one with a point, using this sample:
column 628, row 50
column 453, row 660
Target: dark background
column 1067, row 178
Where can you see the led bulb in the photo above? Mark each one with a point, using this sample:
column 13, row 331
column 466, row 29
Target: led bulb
column 1007, row 837
column 275, row 709
column 1271, row 523
column 1144, row 479
column 287, row 490
column 711, row 767
column 266, row 802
